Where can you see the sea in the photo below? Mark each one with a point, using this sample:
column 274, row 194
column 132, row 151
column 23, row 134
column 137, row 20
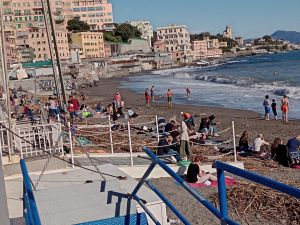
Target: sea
column 239, row 83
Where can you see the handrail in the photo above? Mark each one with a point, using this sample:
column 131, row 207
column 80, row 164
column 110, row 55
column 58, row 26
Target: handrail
column 221, row 167
column 31, row 215
column 195, row 194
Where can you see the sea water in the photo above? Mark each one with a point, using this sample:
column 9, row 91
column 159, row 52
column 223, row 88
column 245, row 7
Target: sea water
column 240, row 83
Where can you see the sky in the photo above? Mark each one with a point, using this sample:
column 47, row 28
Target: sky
column 248, row 18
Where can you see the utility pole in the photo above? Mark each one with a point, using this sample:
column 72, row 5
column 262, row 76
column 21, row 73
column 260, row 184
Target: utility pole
column 5, row 83
column 55, row 75
column 63, row 92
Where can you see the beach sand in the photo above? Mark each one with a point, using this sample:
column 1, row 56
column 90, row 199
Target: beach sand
column 244, row 120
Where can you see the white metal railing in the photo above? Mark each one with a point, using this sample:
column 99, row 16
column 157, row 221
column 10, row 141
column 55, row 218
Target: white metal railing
column 31, row 139
column 40, row 138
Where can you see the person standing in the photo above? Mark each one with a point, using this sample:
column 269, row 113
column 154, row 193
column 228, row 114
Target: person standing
column 285, row 108
column 185, row 148
column 188, row 93
column 274, row 109
column 170, row 98
column 147, row 97
column 118, row 98
column 152, row 93
column 267, row 105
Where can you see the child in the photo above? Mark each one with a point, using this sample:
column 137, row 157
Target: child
column 274, row 110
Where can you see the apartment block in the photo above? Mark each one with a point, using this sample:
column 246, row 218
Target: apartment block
column 145, row 28
column 97, row 13
column 89, row 44
column 176, row 38
column 206, row 48
column 24, row 24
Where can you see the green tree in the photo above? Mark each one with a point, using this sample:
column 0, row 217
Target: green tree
column 77, row 25
column 127, row 31
column 110, row 37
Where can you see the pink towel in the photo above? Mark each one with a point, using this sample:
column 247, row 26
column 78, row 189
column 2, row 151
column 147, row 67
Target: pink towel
column 229, row 181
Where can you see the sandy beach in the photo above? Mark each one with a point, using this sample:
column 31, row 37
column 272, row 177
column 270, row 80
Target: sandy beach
column 244, row 120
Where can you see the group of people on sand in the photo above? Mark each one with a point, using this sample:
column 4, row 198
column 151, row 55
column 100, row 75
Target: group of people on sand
column 285, row 155
column 272, row 106
column 177, row 143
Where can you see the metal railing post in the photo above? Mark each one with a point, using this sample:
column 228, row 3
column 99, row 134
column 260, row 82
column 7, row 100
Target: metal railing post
column 222, row 195
column 145, row 176
column 130, row 145
column 156, row 121
column 110, row 136
column 71, row 144
column 33, row 211
column 234, row 143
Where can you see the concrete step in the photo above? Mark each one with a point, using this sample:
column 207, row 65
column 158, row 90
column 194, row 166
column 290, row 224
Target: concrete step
column 133, row 219
column 84, row 214
column 99, row 193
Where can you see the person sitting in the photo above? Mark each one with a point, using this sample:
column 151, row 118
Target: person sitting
column 293, row 147
column 280, row 153
column 165, row 147
column 203, row 128
column 196, row 175
column 211, row 124
column 260, row 145
column 172, row 128
column 243, row 142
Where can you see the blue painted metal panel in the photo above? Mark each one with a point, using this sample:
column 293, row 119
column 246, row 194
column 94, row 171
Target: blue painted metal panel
column 134, row 219
column 32, row 213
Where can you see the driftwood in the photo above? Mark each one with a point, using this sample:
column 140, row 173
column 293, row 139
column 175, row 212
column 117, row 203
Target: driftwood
column 249, row 200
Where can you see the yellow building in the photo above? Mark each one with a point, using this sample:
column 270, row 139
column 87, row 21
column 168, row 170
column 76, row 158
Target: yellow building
column 89, row 44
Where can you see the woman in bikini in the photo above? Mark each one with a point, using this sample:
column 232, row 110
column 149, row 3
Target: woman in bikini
column 285, row 108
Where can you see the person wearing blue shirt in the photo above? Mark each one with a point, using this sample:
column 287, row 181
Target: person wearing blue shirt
column 294, row 144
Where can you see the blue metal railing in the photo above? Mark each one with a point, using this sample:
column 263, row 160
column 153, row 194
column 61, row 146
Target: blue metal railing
column 31, row 213
column 221, row 167
column 195, row 194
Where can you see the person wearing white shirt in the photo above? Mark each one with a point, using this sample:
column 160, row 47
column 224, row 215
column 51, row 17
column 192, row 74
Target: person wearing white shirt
column 260, row 143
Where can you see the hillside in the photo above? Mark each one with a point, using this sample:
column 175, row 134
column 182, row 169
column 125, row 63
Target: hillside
column 291, row 36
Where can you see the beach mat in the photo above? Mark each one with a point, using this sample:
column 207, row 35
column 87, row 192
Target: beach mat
column 229, row 181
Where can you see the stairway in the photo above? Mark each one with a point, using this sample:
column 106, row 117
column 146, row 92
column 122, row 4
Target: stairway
column 80, row 196
column 134, row 219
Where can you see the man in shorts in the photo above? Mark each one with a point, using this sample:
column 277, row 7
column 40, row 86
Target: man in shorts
column 169, row 98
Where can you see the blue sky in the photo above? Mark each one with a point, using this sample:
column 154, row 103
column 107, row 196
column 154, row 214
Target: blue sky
column 252, row 18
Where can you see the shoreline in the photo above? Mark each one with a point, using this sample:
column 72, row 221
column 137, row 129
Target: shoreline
column 244, row 119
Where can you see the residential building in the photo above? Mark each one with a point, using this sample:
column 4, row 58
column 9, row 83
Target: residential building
column 96, row 13
column 89, row 44
column 206, row 48
column 159, row 46
column 145, row 28
column 199, row 48
column 176, row 38
column 222, row 44
column 228, row 32
column 239, row 40
column 24, row 21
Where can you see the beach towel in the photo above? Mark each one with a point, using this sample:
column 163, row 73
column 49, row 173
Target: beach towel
column 229, row 181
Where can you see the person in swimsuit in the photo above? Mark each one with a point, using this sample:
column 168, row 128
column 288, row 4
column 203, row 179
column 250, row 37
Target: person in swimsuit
column 188, row 93
column 147, row 97
column 152, row 93
column 285, row 108
column 169, row 98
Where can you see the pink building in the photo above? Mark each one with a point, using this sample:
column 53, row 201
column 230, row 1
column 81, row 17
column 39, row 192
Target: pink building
column 159, row 46
column 96, row 13
column 206, row 49
column 107, row 50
